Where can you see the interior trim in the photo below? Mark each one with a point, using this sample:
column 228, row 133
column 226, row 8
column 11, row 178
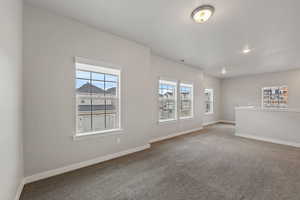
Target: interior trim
column 54, row 172
column 174, row 135
column 293, row 144
column 227, row 122
column 210, row 123
column 20, row 189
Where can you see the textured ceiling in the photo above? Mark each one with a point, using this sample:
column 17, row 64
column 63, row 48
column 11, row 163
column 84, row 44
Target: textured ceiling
column 269, row 27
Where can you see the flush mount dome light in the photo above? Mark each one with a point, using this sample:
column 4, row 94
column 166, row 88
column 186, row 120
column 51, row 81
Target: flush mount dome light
column 202, row 13
column 223, row 71
column 246, row 50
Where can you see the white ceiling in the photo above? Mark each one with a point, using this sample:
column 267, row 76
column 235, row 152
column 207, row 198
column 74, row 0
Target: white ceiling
column 270, row 27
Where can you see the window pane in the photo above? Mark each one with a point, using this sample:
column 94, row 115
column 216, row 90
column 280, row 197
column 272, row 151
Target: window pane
column 208, row 107
column 98, row 112
column 167, row 101
column 98, row 121
column 164, row 110
column 210, row 96
column 84, row 114
column 163, row 86
column 209, row 100
column 172, row 113
column 207, row 96
column 97, row 76
column 186, row 113
column 186, row 99
column 111, row 120
column 97, row 87
column 188, row 90
column 109, row 77
column 83, row 74
column 84, row 123
column 160, row 92
column 104, row 110
column 83, row 86
column 97, row 101
column 170, row 94
column 112, row 113
column 111, row 88
column 164, row 92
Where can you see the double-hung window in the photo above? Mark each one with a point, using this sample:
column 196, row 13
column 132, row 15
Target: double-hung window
column 167, row 100
column 97, row 99
column 209, row 101
column 186, row 101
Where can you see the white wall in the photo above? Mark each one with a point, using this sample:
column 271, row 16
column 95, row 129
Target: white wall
column 166, row 69
column 11, row 167
column 279, row 126
column 50, row 44
column 214, row 83
column 246, row 90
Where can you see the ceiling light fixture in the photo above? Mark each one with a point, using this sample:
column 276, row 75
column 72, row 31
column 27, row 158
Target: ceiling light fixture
column 224, row 71
column 202, row 13
column 246, row 50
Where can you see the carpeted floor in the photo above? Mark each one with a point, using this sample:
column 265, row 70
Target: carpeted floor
column 212, row 164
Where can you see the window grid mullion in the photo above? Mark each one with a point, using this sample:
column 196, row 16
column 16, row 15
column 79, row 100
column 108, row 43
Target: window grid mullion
column 91, row 96
column 110, row 98
column 168, row 106
column 105, row 101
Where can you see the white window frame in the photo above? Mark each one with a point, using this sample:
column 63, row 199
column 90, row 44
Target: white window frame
column 211, row 92
column 102, row 67
column 182, row 84
column 168, row 82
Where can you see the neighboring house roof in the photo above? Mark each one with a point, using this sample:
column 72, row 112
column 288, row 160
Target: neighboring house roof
column 111, row 91
column 90, row 88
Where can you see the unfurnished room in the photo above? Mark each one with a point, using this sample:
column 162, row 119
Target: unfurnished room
column 150, row 100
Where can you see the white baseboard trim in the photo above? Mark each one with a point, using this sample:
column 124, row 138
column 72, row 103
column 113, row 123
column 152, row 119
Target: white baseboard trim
column 210, row 123
column 227, row 122
column 73, row 167
column 20, row 189
column 174, row 135
column 293, row 144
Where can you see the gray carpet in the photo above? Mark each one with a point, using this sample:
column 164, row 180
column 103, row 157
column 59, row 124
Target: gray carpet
column 211, row 164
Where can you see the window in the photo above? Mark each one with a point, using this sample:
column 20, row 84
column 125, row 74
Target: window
column 209, row 101
column 167, row 100
column 97, row 99
column 275, row 97
column 186, row 101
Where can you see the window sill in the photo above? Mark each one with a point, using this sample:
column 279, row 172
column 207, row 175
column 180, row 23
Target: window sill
column 87, row 135
column 185, row 118
column 210, row 113
column 168, row 121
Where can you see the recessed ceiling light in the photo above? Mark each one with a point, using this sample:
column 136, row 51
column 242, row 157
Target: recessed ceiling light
column 202, row 13
column 224, row 71
column 246, row 50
